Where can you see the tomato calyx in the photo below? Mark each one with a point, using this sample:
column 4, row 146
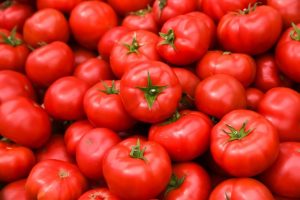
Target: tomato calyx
column 142, row 12
column 174, row 183
column 110, row 89
column 176, row 116
column 137, row 152
column 237, row 134
column 11, row 39
column 63, row 174
column 134, row 46
column 295, row 33
column 169, row 38
column 6, row 4
column 151, row 91
column 162, row 4
column 249, row 9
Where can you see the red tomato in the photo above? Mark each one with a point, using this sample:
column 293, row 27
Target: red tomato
column 81, row 54
column 98, row 193
column 132, row 48
column 13, row 84
column 240, row 66
column 93, row 70
column 241, row 188
column 144, row 164
column 61, row 5
column 55, row 179
column 64, row 98
column 248, row 31
column 47, row 25
column 104, row 108
column 49, row 63
column 150, row 91
column 91, row 150
column 219, row 94
column 16, row 161
column 24, row 122
column 254, row 96
column 89, row 20
column 282, row 177
column 123, row 7
column 241, row 137
column 188, row 142
column 189, row 181
column 281, row 106
column 14, row 190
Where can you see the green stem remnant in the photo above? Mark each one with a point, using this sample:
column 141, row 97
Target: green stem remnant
column 110, row 89
column 134, row 46
column 249, row 9
column 237, row 134
column 11, row 39
column 174, row 183
column 137, row 152
column 295, row 33
column 169, row 38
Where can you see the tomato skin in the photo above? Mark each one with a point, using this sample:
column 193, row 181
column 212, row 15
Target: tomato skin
column 188, row 142
column 65, row 6
column 123, row 7
column 63, row 99
column 16, row 118
column 89, row 20
column 98, row 193
column 16, row 161
column 219, row 94
column 105, row 109
column 240, row 66
column 14, row 190
column 286, row 166
column 91, row 150
column 134, row 99
column 148, row 177
column 254, row 96
column 241, row 188
column 249, row 33
column 235, row 157
column 47, row 25
column 82, row 54
column 283, row 113
column 65, row 179
column 43, row 70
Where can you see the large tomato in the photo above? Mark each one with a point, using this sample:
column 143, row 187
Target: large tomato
column 123, row 7
column 136, row 169
column 241, row 137
column 61, row 5
column 14, row 190
column 98, row 194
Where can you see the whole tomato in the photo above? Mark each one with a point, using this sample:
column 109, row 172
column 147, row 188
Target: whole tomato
column 248, row 30
column 254, row 96
column 104, row 107
column 188, row 142
column 46, row 26
column 64, row 98
column 41, row 67
column 65, row 6
column 241, row 66
column 241, row 137
column 241, row 188
column 89, row 20
column 91, row 150
column 123, row 7
column 15, row 161
column 65, row 180
column 98, row 193
column 24, row 122
column 150, row 91
column 282, row 177
column 139, row 164
column 14, row 190
column 82, row 54
column 219, row 94
column 281, row 106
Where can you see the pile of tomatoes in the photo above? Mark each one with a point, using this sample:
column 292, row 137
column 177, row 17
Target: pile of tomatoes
column 150, row 99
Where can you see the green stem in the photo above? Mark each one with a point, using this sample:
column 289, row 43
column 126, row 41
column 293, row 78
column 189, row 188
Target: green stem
column 295, row 33
column 11, row 39
column 142, row 12
column 137, row 152
column 162, row 4
column 169, row 38
column 176, row 116
column 249, row 9
column 134, row 46
column 110, row 89
column 174, row 183
column 237, row 134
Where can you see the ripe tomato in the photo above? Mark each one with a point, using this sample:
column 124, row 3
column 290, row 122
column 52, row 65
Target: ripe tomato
column 17, row 117
column 65, row 180
column 150, row 91
column 139, row 164
column 123, row 7
column 82, row 54
column 241, row 137
column 14, row 190
column 61, row 5
column 254, row 96
column 98, row 193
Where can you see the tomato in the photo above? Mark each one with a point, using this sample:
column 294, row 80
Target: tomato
column 283, row 113
column 177, row 46
column 13, row 84
column 47, row 25
column 41, row 67
column 123, row 7
column 189, row 181
column 254, row 96
column 63, row 99
column 286, row 53
column 61, row 5
column 104, row 108
column 91, row 150
column 150, row 91
column 13, row 51
column 164, row 10
column 248, row 31
column 188, row 142
column 65, row 180
column 132, row 48
column 241, row 188
column 98, row 193
column 93, row 70
column 14, row 190
column 241, row 66
column 17, row 117
column 282, row 177
column 219, row 94
column 139, row 164
column 89, row 20
column 15, row 161
column 14, row 14
column 241, row 137
column 81, row 54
